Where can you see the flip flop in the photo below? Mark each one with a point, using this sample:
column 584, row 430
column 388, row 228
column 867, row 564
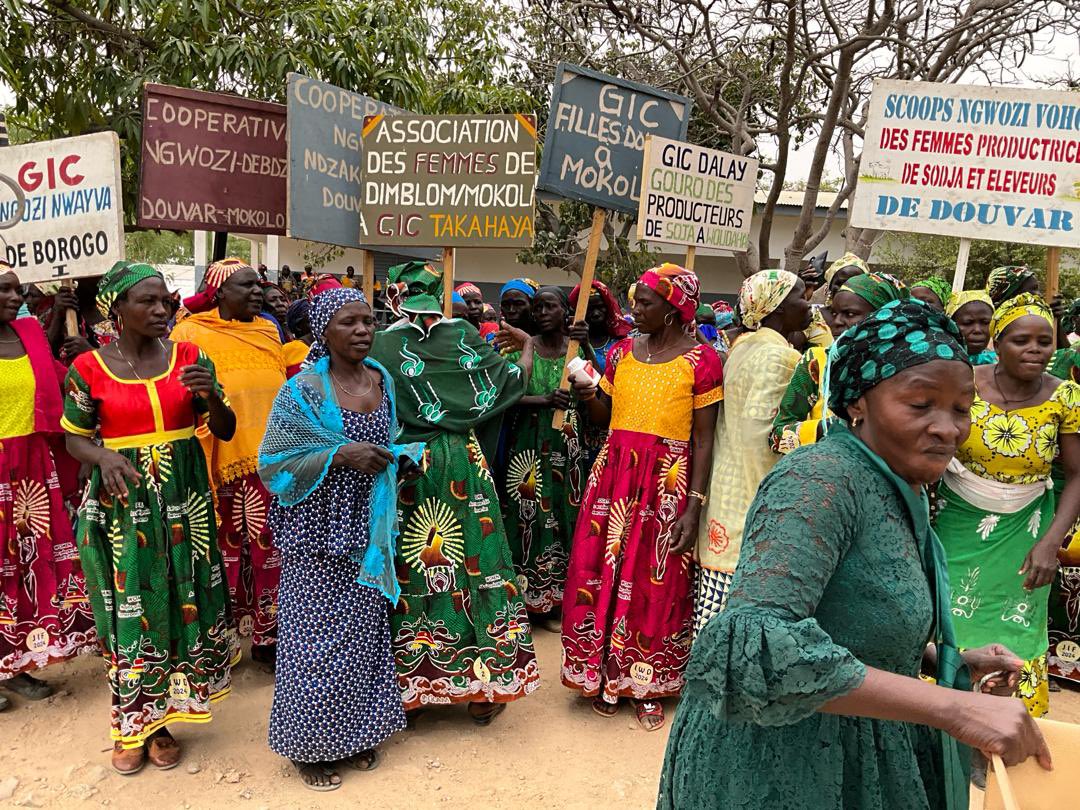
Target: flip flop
column 311, row 770
column 603, row 708
column 649, row 708
column 25, row 686
column 365, row 760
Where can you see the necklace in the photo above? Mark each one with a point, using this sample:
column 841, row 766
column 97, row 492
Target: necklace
column 1001, row 391
column 130, row 364
column 350, row 393
column 651, row 352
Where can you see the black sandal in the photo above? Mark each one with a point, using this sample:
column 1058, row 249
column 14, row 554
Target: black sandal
column 312, row 775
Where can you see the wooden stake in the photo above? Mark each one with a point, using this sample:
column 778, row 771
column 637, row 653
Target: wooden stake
column 1053, row 263
column 448, row 281
column 961, row 265
column 369, row 277
column 691, row 255
column 588, row 271
column 71, row 317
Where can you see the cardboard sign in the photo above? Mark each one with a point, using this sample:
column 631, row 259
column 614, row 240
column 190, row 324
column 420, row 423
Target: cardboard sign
column 325, row 163
column 211, row 161
column 73, row 222
column 449, row 180
column 695, row 196
column 997, row 163
column 596, row 135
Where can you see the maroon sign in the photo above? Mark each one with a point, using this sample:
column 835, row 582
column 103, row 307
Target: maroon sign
column 211, row 161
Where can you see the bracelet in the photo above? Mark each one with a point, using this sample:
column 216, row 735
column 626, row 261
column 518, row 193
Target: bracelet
column 699, row 496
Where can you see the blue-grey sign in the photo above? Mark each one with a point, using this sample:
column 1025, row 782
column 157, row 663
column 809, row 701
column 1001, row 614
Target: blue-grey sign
column 325, row 160
column 596, row 135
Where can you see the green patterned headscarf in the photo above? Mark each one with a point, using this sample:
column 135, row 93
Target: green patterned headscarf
column 876, row 289
column 415, row 288
column 899, row 336
column 939, row 287
column 1004, row 283
column 121, row 278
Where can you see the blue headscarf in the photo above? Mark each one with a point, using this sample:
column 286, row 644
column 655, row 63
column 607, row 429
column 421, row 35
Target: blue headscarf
column 323, row 309
column 522, row 285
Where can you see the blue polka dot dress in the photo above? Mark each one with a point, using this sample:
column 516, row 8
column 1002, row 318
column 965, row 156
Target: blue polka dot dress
column 335, row 690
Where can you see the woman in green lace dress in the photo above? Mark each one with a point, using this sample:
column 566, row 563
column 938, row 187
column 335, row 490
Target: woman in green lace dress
column 804, row 693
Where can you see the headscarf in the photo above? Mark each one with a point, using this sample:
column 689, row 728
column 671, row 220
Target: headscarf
column 324, row 282
column 847, row 260
column 1017, row 307
column 938, row 286
column 323, row 308
column 297, row 312
column 876, row 289
column 121, row 277
column 522, row 285
column 468, row 287
column 703, row 311
column 965, row 297
column 559, row 294
column 896, row 337
column 1004, row 282
column 414, row 288
column 762, row 293
column 617, row 328
column 725, row 314
column 676, row 285
column 216, row 274
column 455, row 298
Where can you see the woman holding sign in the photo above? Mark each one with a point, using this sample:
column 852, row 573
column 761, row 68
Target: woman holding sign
column 628, row 603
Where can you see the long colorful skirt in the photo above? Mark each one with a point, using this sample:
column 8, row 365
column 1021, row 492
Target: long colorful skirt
column 460, row 630
column 985, row 551
column 155, row 581
column 544, row 479
column 252, row 561
column 45, row 616
column 627, row 611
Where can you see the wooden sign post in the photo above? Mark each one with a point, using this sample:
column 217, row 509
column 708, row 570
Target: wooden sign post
column 1053, row 263
column 369, row 277
column 691, row 255
column 448, row 281
column 961, row 265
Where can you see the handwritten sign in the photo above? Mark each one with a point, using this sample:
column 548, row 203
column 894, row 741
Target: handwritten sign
column 995, row 163
column 596, row 135
column 449, row 180
column 73, row 222
column 695, row 196
column 325, row 163
column 211, row 161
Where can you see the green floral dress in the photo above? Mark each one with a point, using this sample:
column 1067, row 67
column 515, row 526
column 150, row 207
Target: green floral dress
column 831, row 580
column 545, row 476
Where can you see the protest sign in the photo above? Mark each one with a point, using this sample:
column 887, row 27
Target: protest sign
column 695, row 196
column 596, row 135
column 73, row 221
column 325, row 165
column 999, row 163
column 449, row 180
column 211, row 161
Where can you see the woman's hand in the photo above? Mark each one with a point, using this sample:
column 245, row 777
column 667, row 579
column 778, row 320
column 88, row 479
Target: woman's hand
column 363, row 456
column 997, row 725
column 559, row 399
column 74, row 345
column 994, row 659
column 510, row 337
column 684, row 532
column 1041, row 564
column 580, row 332
column 116, row 473
column 199, row 381
column 408, row 470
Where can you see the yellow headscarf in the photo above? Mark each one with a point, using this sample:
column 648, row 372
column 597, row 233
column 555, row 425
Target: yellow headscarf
column 1016, row 308
column 847, row 260
column 965, row 297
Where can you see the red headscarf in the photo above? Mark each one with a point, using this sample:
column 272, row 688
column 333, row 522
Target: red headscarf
column 676, row 285
column 324, row 282
column 216, row 274
column 616, row 326
column 468, row 287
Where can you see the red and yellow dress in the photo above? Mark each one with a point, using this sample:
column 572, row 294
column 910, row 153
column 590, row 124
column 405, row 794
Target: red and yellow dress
column 44, row 613
column 628, row 602
column 153, row 569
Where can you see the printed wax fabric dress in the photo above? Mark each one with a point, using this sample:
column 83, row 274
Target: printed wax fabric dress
column 798, row 420
column 628, row 603
column 545, row 476
column 44, row 613
column 153, row 570
column 995, row 503
column 837, row 573
column 460, row 630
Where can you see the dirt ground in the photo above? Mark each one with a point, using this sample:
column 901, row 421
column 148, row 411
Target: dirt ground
column 548, row 750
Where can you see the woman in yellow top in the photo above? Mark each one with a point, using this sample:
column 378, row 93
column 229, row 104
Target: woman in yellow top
column 250, row 363
column 628, row 602
column 997, row 517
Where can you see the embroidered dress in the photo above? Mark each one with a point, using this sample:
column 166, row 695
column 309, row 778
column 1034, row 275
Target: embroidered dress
column 798, row 420
column 986, row 542
column 251, row 365
column 628, row 603
column 153, row 570
column 460, row 630
column 545, row 476
column 44, row 613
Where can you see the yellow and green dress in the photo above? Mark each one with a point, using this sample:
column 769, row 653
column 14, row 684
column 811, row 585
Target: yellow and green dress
column 995, row 502
column 802, row 408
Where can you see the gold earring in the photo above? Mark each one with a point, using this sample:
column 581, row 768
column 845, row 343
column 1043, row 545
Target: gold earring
column 855, row 422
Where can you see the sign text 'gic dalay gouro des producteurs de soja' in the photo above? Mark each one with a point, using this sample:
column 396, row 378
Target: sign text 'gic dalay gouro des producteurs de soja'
column 998, row 163
column 449, row 180
column 695, row 196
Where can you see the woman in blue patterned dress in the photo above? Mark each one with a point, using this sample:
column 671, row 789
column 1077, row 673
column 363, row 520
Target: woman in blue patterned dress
column 328, row 460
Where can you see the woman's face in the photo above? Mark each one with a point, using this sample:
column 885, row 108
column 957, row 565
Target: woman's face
column 1025, row 347
column 144, row 309
column 10, row 297
column 275, row 303
column 548, row 313
column 350, row 332
column 843, row 275
column 596, row 315
column 796, row 309
column 917, row 419
column 928, row 297
column 651, row 312
column 515, row 306
column 848, row 309
column 973, row 321
column 474, row 304
column 240, row 297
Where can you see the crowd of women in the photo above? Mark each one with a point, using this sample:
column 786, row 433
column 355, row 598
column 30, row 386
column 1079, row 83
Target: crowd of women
column 785, row 512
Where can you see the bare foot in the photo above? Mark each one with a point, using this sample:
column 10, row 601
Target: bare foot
column 603, row 708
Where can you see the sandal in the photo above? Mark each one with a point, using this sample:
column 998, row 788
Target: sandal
column 163, row 750
column 647, row 710
column 30, row 688
column 487, row 714
column 128, row 761
column 603, row 708
column 364, row 761
column 4, row 703
column 318, row 776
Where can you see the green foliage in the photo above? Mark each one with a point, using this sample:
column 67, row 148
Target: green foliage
column 159, row 247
